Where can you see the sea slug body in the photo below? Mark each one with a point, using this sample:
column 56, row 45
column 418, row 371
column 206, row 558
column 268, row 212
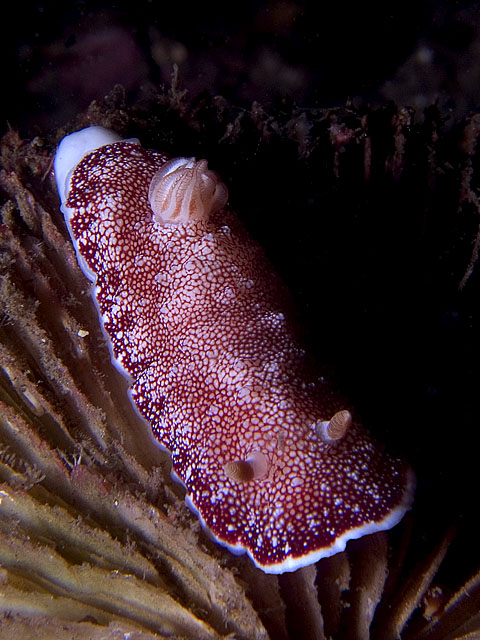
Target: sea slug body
column 273, row 461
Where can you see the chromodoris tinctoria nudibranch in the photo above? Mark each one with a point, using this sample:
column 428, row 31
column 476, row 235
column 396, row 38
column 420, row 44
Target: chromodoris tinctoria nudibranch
column 273, row 461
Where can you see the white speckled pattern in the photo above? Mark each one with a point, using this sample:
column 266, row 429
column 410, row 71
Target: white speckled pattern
column 202, row 325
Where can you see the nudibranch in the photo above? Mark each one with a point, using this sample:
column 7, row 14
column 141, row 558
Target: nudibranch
column 273, row 461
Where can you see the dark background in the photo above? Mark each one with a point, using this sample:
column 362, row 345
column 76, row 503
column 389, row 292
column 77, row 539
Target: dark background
column 57, row 57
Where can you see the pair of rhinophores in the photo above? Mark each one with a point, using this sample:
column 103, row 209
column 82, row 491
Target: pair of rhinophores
column 273, row 462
